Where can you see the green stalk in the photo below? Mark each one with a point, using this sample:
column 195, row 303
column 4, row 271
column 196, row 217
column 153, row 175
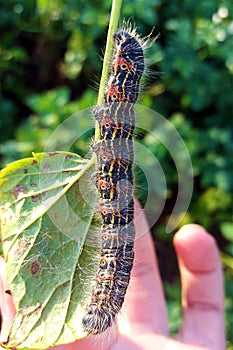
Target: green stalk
column 113, row 25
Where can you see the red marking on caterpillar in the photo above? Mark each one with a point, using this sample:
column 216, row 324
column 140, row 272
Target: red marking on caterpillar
column 113, row 93
column 114, row 181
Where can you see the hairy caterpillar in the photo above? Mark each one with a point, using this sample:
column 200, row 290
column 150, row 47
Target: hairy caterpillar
column 114, row 181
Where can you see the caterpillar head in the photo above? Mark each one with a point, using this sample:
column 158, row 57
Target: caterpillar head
column 127, row 69
column 130, row 53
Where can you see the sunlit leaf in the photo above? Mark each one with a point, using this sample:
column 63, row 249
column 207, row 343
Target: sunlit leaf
column 47, row 231
column 227, row 230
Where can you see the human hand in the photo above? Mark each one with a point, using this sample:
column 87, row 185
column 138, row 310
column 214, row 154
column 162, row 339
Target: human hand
column 142, row 323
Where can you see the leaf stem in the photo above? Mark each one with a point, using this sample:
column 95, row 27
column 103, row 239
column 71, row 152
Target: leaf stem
column 113, row 25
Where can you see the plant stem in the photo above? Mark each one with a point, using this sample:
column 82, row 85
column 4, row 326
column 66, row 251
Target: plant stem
column 113, row 25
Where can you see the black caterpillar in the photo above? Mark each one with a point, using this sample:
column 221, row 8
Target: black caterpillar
column 114, row 181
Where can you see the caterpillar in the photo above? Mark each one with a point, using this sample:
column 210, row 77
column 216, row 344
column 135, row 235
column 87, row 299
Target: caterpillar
column 114, row 181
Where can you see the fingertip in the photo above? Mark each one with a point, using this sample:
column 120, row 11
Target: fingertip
column 202, row 287
column 196, row 248
column 186, row 231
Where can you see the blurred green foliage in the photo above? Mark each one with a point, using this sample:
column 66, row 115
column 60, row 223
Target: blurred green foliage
column 51, row 62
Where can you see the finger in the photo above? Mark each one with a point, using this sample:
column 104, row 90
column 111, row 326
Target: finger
column 144, row 303
column 202, row 288
column 6, row 303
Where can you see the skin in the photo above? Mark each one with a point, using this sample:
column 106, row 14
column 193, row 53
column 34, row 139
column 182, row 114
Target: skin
column 142, row 324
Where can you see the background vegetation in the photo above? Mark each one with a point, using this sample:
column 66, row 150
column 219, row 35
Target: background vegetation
column 50, row 63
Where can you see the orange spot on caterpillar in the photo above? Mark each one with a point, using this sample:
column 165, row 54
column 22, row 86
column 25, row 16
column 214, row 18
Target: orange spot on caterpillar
column 104, row 185
column 104, row 155
column 112, row 93
column 122, row 63
column 97, row 295
column 106, row 121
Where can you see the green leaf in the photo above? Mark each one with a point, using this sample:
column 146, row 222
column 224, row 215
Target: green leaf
column 48, row 231
column 50, row 102
column 227, row 230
